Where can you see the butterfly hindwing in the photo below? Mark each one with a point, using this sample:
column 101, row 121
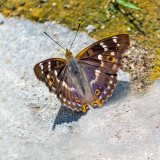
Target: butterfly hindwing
column 69, row 96
column 102, row 84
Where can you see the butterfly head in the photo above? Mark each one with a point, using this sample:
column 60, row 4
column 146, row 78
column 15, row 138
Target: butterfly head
column 68, row 54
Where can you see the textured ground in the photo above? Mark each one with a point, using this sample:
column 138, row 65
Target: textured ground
column 126, row 127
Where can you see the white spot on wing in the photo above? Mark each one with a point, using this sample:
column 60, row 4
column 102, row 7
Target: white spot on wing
column 58, row 80
column 110, row 81
column 53, row 89
column 93, row 81
column 63, row 84
column 97, row 72
column 48, row 76
column 114, row 66
column 49, row 66
column 113, row 53
column 41, row 67
column 100, row 57
column 104, row 46
column 114, row 39
column 112, row 90
column 55, row 72
column 102, row 64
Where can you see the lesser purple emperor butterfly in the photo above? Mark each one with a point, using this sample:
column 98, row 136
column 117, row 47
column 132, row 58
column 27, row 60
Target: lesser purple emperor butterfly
column 88, row 78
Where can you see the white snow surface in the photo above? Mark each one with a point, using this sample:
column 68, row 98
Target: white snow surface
column 126, row 127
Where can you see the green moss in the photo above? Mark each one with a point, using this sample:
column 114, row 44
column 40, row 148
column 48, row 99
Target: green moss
column 142, row 26
column 155, row 74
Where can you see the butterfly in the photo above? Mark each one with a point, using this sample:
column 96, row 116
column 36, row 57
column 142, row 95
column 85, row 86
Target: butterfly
column 88, row 78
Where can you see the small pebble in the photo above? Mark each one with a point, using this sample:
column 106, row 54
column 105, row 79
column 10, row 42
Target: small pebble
column 54, row 4
column 39, row 6
column 90, row 28
column 1, row 23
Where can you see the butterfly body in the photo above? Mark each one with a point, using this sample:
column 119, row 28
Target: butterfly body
column 88, row 78
column 79, row 79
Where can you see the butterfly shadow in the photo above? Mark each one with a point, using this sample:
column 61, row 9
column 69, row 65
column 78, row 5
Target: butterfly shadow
column 65, row 115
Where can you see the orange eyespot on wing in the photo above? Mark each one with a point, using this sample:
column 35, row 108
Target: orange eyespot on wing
column 97, row 92
column 77, row 99
column 110, row 59
column 51, row 80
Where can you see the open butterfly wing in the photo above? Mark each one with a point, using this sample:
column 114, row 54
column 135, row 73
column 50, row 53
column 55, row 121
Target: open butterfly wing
column 69, row 96
column 102, row 84
column 54, row 73
column 106, row 54
column 101, row 62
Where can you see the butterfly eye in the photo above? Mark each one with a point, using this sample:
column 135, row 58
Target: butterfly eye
column 110, row 58
column 77, row 99
column 51, row 80
column 97, row 92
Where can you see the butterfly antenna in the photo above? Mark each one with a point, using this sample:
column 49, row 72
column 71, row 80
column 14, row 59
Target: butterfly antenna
column 76, row 34
column 52, row 39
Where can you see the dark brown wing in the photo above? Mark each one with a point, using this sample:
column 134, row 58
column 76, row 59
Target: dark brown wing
column 106, row 54
column 101, row 62
column 69, row 96
column 54, row 73
column 102, row 84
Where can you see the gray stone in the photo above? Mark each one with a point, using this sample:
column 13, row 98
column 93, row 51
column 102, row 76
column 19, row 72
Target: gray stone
column 126, row 127
column 90, row 28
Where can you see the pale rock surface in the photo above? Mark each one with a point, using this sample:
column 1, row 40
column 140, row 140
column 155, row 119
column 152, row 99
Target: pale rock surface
column 126, row 127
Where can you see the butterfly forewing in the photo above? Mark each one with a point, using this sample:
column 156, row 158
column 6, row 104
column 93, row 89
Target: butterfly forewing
column 106, row 54
column 52, row 72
